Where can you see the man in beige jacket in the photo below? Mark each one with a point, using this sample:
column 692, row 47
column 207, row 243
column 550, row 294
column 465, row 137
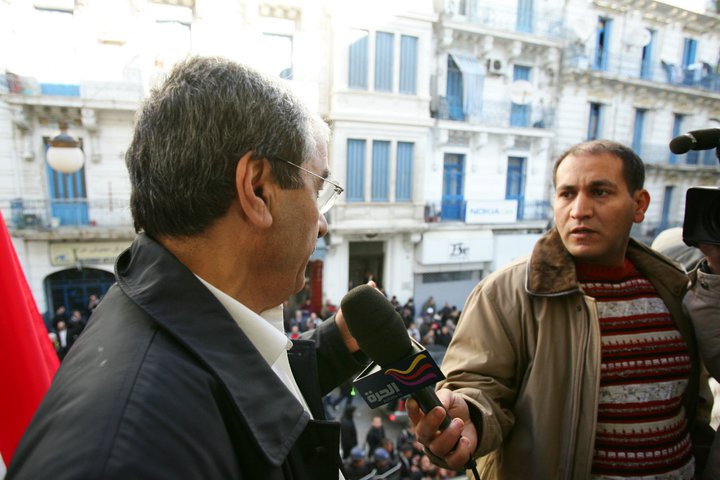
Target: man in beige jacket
column 578, row 361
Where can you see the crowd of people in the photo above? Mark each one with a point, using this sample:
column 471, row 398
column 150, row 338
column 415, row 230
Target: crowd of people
column 428, row 325
column 65, row 329
column 578, row 361
column 380, row 457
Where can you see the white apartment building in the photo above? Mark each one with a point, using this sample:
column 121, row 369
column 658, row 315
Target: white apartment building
column 447, row 117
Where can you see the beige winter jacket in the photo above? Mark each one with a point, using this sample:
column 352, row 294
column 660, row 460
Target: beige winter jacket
column 702, row 303
column 526, row 357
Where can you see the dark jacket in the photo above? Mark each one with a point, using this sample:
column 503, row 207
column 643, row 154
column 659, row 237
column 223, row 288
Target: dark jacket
column 163, row 384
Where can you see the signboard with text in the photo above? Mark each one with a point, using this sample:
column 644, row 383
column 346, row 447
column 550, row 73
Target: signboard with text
column 491, row 211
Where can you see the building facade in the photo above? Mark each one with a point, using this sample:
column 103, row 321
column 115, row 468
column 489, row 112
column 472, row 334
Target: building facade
column 446, row 119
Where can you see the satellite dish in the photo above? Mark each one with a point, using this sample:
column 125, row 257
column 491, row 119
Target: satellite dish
column 639, row 37
column 521, row 92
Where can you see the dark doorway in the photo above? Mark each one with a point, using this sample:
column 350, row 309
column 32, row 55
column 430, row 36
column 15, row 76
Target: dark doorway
column 367, row 259
column 73, row 287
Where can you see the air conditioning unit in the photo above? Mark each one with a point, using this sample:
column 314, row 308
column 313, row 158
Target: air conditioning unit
column 495, row 65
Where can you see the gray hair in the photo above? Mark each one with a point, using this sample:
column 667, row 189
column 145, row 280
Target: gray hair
column 191, row 132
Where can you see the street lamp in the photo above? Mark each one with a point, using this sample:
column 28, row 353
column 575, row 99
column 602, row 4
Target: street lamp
column 64, row 154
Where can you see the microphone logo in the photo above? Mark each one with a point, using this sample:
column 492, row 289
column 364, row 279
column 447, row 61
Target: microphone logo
column 407, row 376
column 419, row 372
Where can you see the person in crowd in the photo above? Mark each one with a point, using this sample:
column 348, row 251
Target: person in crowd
column 382, row 462
column 429, row 307
column 375, row 434
column 702, row 303
column 414, row 332
column 60, row 316
column 410, row 306
column 348, row 431
column 184, row 371
column 357, row 466
column 578, row 361
column 93, row 302
column 328, row 309
column 63, row 339
column 443, row 336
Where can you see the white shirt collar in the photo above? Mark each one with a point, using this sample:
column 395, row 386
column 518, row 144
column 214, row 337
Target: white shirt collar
column 265, row 331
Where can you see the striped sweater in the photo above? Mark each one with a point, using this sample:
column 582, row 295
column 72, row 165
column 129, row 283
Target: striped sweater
column 642, row 429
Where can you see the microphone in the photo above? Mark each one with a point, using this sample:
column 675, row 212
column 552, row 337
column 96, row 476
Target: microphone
column 381, row 335
column 696, row 140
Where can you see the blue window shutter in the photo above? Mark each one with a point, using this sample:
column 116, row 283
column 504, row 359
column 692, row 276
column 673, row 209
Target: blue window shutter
column 383, row 61
column 520, row 114
column 638, row 130
column 380, row 171
column 408, row 64
column 454, row 91
column 358, row 63
column 602, row 43
column 356, row 171
column 648, row 53
column 677, row 127
column 689, row 52
column 404, row 173
column 524, row 22
column 595, row 121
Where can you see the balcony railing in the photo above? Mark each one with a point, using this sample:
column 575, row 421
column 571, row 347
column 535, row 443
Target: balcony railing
column 700, row 76
column 37, row 214
column 497, row 114
column 526, row 211
column 543, row 23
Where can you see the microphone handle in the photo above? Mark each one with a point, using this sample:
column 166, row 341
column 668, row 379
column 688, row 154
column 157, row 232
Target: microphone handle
column 427, row 399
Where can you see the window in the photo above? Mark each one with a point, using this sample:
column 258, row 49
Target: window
column 380, row 171
column 602, row 44
column 667, row 207
column 677, row 127
column 691, row 72
column 391, row 179
column 465, row 82
column 453, row 198
column 383, row 61
column 356, row 171
column 595, row 121
column 638, row 130
column 520, row 114
column 404, row 172
column 524, row 22
column 647, row 57
column 358, row 61
column 408, row 64
column 515, row 183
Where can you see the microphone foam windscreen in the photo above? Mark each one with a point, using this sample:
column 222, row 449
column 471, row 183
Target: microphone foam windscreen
column 376, row 326
column 681, row 144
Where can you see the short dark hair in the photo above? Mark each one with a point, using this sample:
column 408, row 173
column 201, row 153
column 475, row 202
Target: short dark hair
column 633, row 167
column 191, row 132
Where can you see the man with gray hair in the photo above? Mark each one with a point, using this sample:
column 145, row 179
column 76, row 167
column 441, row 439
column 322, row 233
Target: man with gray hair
column 184, row 370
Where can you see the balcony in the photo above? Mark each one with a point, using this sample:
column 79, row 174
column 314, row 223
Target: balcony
column 541, row 23
column 62, row 218
column 527, row 211
column 496, row 114
column 698, row 76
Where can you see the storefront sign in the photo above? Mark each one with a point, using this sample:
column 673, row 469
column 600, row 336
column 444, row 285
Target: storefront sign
column 73, row 253
column 491, row 211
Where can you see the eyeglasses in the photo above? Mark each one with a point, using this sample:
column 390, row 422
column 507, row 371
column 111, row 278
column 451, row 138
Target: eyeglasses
column 327, row 194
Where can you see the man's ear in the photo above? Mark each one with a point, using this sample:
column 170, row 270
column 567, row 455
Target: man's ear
column 253, row 181
column 641, row 200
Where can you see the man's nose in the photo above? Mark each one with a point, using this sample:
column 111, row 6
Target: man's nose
column 322, row 225
column 581, row 206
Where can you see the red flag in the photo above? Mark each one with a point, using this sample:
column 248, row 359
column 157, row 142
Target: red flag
column 27, row 356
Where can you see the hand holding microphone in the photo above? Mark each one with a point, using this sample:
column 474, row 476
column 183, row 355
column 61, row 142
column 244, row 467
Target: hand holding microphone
column 381, row 334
